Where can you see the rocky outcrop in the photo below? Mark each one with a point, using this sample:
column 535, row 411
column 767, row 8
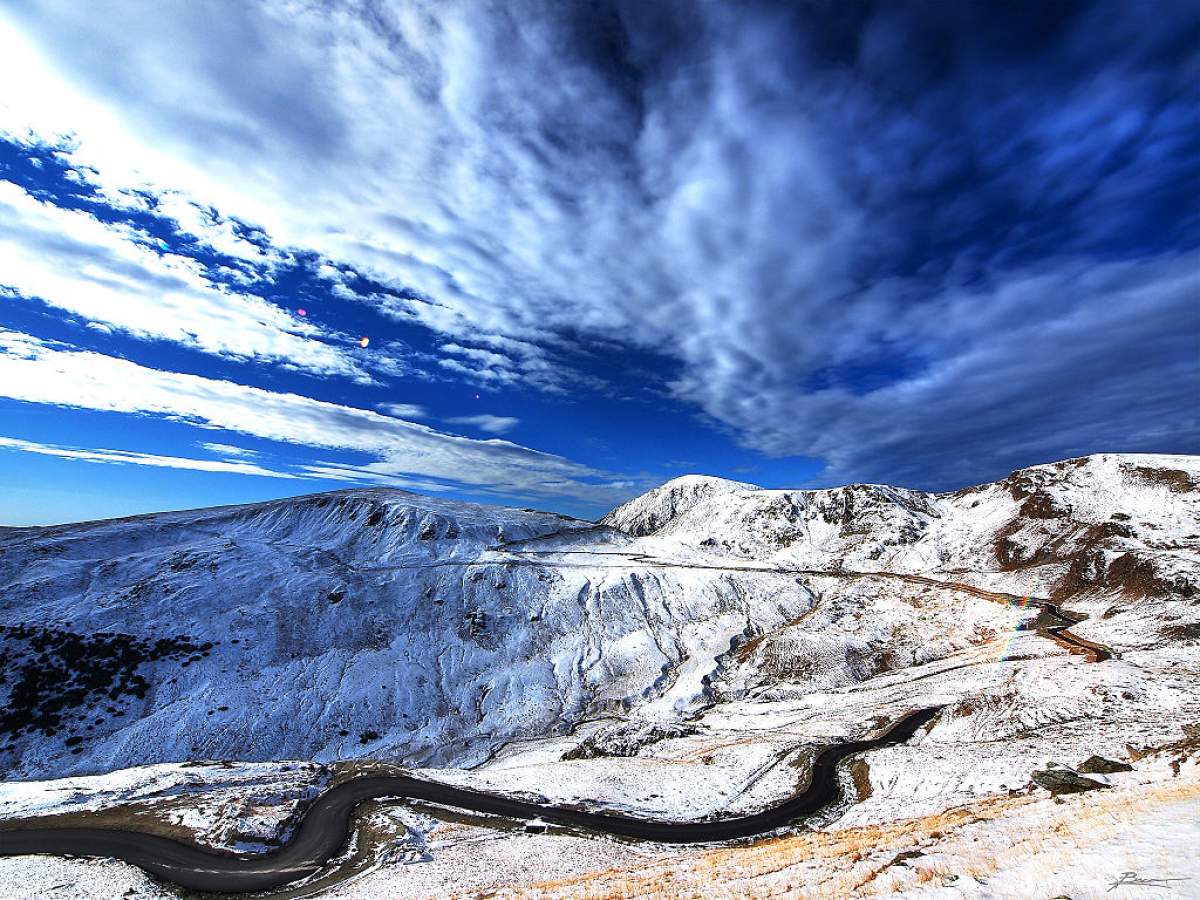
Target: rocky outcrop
column 1065, row 781
column 1098, row 765
column 627, row 739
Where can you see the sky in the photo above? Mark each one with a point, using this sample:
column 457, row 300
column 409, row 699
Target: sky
column 552, row 254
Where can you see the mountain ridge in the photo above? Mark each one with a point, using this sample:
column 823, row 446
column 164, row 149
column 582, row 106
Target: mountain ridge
column 376, row 622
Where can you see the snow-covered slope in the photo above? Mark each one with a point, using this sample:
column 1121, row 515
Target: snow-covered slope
column 380, row 622
column 358, row 622
column 663, row 507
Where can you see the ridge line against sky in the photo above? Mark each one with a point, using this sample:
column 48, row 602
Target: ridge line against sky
column 796, row 244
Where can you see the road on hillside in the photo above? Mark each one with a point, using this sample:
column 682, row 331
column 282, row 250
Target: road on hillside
column 328, row 824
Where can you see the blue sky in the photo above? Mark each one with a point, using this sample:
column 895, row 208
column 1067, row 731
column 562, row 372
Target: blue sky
column 591, row 246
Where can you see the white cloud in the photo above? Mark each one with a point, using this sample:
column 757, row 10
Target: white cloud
column 404, row 410
column 209, row 226
column 489, row 423
column 39, row 372
column 107, row 275
column 226, row 449
column 134, row 458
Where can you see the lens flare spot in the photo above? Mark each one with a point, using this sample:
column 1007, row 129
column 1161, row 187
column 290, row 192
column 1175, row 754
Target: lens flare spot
column 302, row 312
column 363, row 341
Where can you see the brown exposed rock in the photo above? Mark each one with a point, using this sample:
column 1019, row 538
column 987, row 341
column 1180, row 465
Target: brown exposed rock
column 1178, row 480
column 1137, row 577
column 1011, row 554
column 1087, row 571
column 1184, row 633
column 860, row 773
column 1041, row 505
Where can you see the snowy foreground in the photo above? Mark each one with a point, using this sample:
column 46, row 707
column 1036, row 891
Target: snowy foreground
column 681, row 660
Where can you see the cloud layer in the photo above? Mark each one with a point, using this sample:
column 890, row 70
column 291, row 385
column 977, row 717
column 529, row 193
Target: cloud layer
column 134, row 458
column 398, row 452
column 918, row 242
column 109, row 275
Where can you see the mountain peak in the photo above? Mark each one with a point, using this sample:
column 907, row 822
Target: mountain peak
column 654, row 509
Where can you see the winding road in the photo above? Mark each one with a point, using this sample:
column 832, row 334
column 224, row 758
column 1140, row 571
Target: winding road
column 328, row 824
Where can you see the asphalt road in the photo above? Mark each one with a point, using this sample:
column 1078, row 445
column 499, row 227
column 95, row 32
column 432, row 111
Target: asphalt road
column 328, row 823
column 1054, row 622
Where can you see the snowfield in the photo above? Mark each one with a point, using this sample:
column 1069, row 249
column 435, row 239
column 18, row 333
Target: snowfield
column 208, row 672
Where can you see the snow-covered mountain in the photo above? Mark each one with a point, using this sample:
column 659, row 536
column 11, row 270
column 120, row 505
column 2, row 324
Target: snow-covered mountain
column 1038, row 518
column 380, row 622
column 663, row 507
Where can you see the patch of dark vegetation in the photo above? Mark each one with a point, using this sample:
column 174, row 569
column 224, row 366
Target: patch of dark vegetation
column 51, row 673
column 367, row 736
column 337, row 596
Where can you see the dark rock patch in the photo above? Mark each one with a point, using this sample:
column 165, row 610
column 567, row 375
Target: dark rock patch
column 628, row 738
column 1065, row 781
column 1137, row 576
column 1098, row 765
